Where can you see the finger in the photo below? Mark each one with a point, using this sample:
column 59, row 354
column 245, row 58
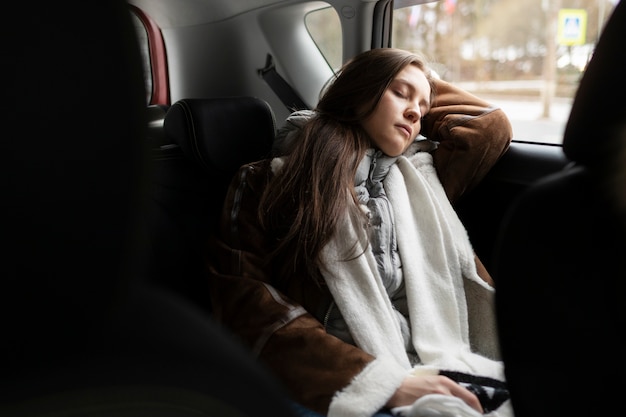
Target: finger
column 469, row 397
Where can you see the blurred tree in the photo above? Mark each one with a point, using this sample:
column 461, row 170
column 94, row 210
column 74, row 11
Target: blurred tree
column 489, row 39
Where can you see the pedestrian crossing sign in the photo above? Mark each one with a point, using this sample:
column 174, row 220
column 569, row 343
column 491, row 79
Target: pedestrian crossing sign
column 572, row 26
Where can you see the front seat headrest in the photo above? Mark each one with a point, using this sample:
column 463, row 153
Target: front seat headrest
column 599, row 110
column 221, row 134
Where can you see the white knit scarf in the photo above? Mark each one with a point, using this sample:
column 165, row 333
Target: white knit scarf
column 450, row 307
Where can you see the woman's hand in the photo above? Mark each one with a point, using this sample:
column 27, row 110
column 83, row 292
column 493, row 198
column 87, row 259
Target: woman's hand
column 414, row 387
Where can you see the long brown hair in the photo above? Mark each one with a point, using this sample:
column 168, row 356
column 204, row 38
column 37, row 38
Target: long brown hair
column 315, row 185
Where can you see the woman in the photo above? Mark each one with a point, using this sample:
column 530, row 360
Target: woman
column 342, row 264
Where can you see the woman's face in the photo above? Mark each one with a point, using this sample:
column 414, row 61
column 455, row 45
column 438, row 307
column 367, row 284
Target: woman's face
column 396, row 121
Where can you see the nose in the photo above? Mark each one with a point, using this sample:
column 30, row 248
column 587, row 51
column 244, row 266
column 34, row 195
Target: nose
column 413, row 113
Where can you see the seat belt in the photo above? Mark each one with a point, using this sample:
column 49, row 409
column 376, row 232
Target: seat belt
column 281, row 87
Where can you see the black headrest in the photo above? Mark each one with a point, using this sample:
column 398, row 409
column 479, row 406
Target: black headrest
column 599, row 109
column 221, row 134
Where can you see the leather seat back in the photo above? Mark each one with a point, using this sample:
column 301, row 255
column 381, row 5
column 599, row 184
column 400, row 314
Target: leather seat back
column 560, row 268
column 209, row 139
column 82, row 333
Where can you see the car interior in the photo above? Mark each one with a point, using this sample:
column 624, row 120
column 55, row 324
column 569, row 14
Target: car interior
column 111, row 199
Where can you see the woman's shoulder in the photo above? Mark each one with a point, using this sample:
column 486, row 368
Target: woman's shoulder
column 253, row 175
column 289, row 130
column 257, row 167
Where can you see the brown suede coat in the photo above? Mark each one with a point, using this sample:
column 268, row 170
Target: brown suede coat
column 282, row 324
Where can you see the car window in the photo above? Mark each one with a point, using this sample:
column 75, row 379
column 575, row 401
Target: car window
column 525, row 57
column 325, row 29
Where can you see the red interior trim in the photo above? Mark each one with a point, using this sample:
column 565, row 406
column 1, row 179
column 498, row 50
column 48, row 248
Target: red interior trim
column 158, row 58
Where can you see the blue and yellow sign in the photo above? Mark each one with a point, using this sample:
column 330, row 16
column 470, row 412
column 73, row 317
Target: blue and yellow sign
column 572, row 27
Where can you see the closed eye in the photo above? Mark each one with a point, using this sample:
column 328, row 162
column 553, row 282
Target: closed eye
column 399, row 94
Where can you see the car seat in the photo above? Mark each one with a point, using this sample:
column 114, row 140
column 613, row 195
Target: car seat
column 206, row 141
column 560, row 266
column 83, row 333
column 156, row 117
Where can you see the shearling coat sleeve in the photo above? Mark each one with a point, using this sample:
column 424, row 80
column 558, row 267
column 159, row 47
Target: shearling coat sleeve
column 472, row 134
column 271, row 319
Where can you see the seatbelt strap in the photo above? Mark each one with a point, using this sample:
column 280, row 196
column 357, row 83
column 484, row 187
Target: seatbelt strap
column 281, row 87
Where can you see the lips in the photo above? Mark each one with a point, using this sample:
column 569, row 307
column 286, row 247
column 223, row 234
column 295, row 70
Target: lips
column 406, row 129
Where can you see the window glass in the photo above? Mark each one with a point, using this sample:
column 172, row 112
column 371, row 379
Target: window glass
column 144, row 48
column 325, row 29
column 526, row 57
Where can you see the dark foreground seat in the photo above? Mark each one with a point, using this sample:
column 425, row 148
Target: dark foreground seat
column 83, row 334
column 561, row 264
column 206, row 141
